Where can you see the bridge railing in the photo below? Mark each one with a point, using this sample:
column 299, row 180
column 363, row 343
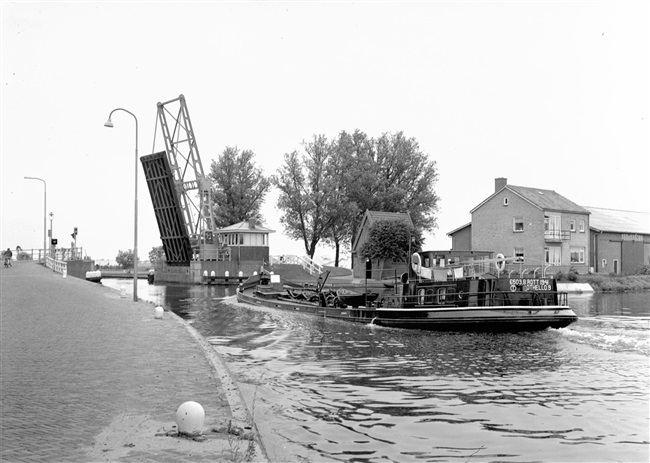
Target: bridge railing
column 58, row 266
column 39, row 254
column 314, row 268
column 214, row 254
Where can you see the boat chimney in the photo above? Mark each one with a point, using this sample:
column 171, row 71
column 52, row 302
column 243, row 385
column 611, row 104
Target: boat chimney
column 251, row 223
column 499, row 183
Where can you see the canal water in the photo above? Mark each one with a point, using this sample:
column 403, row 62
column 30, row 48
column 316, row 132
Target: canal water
column 328, row 390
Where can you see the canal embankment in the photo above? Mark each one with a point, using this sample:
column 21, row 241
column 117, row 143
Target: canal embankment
column 616, row 283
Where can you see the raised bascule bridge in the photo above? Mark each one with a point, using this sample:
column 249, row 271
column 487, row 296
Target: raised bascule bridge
column 180, row 193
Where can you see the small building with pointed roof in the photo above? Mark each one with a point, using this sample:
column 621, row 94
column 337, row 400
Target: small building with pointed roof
column 373, row 268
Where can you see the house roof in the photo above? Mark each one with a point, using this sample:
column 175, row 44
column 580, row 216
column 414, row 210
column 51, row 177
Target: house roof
column 462, row 227
column 371, row 217
column 245, row 226
column 542, row 199
column 613, row 220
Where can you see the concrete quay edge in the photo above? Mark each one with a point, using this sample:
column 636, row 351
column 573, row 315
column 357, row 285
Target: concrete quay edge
column 88, row 378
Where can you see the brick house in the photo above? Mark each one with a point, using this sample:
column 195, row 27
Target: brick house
column 620, row 240
column 374, row 268
column 540, row 226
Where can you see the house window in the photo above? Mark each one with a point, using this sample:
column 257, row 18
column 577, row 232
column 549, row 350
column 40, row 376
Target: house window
column 233, row 239
column 577, row 255
column 572, row 226
column 551, row 223
column 553, row 255
column 582, row 226
column 505, row 201
column 518, row 224
column 519, row 254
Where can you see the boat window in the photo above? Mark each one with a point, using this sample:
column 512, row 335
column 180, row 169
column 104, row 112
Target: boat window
column 442, row 295
column 421, row 296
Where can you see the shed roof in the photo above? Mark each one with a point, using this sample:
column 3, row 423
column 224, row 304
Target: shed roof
column 613, row 220
column 540, row 198
column 462, row 227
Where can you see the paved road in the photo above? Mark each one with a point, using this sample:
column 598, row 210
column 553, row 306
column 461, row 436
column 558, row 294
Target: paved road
column 90, row 376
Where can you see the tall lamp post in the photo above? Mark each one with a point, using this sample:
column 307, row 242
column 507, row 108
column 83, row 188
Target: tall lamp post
column 109, row 123
column 44, row 215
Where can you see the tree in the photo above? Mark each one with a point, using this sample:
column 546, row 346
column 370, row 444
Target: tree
column 125, row 259
column 304, row 193
column 343, row 172
column 157, row 254
column 390, row 239
column 406, row 179
column 388, row 174
column 239, row 187
column 325, row 192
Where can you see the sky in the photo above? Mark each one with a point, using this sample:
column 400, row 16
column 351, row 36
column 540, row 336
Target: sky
column 547, row 94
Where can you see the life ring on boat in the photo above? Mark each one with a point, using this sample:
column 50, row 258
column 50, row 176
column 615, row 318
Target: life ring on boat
column 416, row 263
column 501, row 262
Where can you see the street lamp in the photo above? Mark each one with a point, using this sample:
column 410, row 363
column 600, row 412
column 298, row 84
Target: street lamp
column 44, row 215
column 109, row 123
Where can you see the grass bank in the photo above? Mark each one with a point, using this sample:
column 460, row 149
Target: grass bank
column 616, row 283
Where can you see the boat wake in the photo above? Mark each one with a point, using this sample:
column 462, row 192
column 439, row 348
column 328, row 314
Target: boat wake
column 612, row 333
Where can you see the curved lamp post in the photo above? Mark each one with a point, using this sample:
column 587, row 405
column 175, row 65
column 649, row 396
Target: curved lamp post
column 44, row 215
column 109, row 123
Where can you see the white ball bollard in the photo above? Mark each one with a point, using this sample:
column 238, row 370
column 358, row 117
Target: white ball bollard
column 158, row 312
column 189, row 418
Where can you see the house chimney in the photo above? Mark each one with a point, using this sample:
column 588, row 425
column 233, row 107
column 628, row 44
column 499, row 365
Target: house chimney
column 500, row 183
column 251, row 223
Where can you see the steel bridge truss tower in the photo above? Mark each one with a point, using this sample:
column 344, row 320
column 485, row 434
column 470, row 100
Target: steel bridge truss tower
column 190, row 183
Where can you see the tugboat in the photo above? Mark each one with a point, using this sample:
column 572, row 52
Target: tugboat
column 474, row 296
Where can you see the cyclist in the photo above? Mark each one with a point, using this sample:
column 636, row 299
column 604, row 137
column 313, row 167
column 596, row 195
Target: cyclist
column 8, row 255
